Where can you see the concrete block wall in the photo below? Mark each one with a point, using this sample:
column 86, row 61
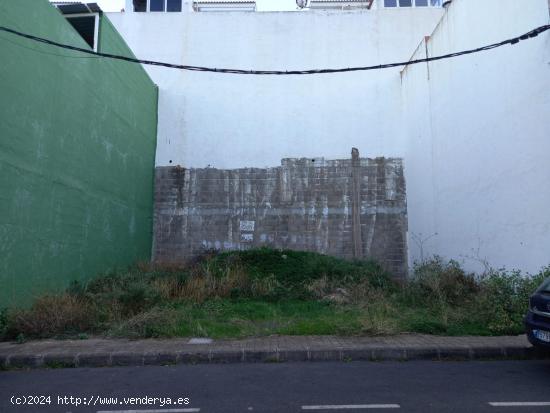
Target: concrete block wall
column 346, row 208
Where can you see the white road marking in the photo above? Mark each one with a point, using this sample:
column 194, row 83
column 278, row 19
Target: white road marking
column 351, row 406
column 519, row 404
column 188, row 410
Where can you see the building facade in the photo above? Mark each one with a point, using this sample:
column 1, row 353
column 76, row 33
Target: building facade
column 262, row 5
column 468, row 142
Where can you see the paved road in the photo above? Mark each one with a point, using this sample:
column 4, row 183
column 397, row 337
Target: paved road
column 293, row 387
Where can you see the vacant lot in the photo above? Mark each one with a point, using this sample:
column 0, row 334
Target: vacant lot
column 265, row 291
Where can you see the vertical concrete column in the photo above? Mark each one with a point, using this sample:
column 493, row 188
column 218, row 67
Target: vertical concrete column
column 356, row 203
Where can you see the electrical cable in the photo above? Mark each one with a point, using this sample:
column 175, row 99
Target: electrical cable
column 529, row 35
column 48, row 53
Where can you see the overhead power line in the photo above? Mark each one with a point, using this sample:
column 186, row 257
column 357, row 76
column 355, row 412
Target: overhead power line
column 529, row 35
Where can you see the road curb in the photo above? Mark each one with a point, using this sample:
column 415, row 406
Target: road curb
column 213, row 356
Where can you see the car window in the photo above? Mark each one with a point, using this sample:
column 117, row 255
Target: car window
column 545, row 286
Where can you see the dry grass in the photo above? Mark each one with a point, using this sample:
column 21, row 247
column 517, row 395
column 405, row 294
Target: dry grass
column 320, row 287
column 152, row 323
column 263, row 287
column 203, row 285
column 168, row 288
column 378, row 313
column 52, row 315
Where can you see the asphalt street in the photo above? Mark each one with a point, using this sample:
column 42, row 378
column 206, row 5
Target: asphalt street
column 488, row 386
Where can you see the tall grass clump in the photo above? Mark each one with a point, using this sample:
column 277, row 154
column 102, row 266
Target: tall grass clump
column 51, row 315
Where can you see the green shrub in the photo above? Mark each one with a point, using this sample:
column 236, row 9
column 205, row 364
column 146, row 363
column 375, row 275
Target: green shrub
column 128, row 293
column 504, row 299
column 439, row 282
column 294, row 271
column 138, row 297
column 259, row 273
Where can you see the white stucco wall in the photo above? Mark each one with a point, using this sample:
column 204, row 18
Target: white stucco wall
column 230, row 121
column 478, row 126
column 474, row 131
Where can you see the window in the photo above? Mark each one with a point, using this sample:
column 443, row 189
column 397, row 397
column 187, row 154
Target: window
column 213, row 6
column 140, row 5
column 157, row 5
column 412, row 3
column 173, row 5
column 87, row 25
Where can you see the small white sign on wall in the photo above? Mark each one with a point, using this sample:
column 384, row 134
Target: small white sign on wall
column 247, row 226
column 247, row 237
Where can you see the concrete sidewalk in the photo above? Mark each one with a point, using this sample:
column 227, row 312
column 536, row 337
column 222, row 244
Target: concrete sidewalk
column 105, row 352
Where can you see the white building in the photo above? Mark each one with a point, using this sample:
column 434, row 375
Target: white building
column 263, row 5
column 474, row 131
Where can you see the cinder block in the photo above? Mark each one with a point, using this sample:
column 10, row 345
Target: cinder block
column 301, row 205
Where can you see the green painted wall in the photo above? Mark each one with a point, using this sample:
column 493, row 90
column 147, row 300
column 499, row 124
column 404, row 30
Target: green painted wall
column 77, row 147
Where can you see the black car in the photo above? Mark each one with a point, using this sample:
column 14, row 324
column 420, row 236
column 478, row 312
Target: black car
column 537, row 320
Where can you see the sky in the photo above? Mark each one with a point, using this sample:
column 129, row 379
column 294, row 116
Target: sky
column 110, row 5
column 117, row 5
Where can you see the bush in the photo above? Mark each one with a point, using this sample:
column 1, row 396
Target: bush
column 138, row 297
column 439, row 282
column 120, row 295
column 50, row 316
column 504, row 299
column 293, row 272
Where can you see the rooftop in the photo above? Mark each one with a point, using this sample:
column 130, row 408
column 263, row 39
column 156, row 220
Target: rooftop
column 76, row 7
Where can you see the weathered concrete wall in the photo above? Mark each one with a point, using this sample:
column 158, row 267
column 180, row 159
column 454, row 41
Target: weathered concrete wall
column 305, row 204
